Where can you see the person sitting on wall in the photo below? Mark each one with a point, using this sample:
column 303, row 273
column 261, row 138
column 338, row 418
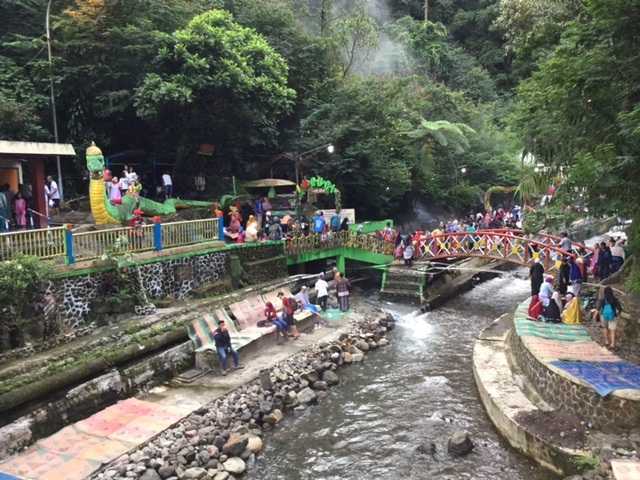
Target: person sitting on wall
column 272, row 318
column 222, row 340
column 289, row 307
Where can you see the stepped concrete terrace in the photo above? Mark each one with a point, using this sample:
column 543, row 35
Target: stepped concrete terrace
column 556, row 418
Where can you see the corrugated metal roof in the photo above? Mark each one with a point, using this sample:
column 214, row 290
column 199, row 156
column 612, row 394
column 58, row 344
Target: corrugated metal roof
column 35, row 148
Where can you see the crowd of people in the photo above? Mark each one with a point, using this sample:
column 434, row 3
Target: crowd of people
column 408, row 246
column 253, row 221
column 17, row 207
column 284, row 320
column 560, row 299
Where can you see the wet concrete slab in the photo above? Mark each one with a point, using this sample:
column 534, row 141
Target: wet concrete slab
column 78, row 450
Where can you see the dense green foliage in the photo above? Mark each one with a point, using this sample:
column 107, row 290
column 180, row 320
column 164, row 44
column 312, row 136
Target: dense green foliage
column 438, row 110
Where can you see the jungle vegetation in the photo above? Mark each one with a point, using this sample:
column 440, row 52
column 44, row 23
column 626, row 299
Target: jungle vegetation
column 407, row 101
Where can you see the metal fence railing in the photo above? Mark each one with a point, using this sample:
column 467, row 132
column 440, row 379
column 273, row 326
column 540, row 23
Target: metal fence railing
column 42, row 243
column 89, row 245
column 190, row 232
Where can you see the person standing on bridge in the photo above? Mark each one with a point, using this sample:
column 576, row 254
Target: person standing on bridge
column 536, row 274
column 575, row 277
column 565, row 242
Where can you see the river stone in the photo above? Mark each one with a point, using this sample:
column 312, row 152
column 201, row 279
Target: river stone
column 235, row 445
column 320, row 385
column 255, row 444
column 167, row 471
column 330, row 377
column 274, row 417
column 194, row 473
column 357, row 357
column 150, row 474
column 348, row 358
column 311, row 376
column 235, row 466
column 362, row 345
column 307, row 395
column 459, row 444
column 221, row 476
column 383, row 342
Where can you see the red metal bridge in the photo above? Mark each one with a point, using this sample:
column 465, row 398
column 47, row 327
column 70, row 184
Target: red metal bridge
column 502, row 244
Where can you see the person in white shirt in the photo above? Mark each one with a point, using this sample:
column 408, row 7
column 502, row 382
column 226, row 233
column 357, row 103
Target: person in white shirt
column 167, row 183
column 54, row 194
column 322, row 289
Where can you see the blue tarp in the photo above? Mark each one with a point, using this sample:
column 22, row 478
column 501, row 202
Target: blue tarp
column 604, row 377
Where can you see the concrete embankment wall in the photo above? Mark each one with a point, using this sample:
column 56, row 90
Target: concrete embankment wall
column 614, row 410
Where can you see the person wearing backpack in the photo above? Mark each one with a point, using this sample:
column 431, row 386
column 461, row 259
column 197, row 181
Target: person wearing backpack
column 608, row 312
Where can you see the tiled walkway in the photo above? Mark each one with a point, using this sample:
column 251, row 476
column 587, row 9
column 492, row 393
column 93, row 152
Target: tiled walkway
column 79, row 449
column 625, row 469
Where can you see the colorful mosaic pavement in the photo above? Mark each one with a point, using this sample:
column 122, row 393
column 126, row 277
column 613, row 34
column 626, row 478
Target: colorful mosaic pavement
column 76, row 451
column 625, row 469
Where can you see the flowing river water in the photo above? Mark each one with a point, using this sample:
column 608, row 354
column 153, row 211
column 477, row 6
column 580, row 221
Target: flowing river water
column 420, row 389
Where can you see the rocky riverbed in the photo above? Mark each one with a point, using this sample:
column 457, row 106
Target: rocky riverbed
column 221, row 441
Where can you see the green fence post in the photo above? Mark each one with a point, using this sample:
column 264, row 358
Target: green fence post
column 341, row 264
column 68, row 245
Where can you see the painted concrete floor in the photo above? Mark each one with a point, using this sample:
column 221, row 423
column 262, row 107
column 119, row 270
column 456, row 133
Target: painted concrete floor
column 78, row 450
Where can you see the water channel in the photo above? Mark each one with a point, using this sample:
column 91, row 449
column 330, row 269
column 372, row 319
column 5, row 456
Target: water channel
column 418, row 390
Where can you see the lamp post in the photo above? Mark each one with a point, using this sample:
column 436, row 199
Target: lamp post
column 53, row 98
column 330, row 148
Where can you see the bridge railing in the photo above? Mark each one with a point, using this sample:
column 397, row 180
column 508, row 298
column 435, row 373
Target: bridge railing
column 332, row 240
column 491, row 245
column 42, row 243
column 71, row 246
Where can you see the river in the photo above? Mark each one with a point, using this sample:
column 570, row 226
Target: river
column 420, row 389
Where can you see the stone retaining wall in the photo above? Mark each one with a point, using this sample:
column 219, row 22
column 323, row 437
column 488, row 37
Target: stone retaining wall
column 603, row 412
column 175, row 277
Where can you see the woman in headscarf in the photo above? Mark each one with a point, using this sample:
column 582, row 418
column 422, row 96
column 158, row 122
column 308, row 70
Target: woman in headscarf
column 572, row 314
column 552, row 311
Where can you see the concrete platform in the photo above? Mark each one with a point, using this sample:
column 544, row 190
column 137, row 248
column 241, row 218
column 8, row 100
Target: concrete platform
column 507, row 404
column 78, row 450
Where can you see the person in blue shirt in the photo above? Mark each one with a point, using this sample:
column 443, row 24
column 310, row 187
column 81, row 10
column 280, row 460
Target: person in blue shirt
column 319, row 223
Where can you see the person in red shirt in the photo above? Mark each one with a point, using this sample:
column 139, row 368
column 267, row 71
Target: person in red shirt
column 289, row 307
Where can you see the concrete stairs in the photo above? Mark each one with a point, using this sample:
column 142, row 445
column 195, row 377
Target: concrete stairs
column 405, row 285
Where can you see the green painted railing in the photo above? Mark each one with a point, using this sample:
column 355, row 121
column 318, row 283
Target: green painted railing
column 335, row 240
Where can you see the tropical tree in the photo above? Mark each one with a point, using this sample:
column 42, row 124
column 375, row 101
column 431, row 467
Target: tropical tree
column 216, row 78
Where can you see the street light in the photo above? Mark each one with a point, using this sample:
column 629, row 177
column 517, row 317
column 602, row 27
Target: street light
column 329, row 147
column 463, row 170
column 53, row 98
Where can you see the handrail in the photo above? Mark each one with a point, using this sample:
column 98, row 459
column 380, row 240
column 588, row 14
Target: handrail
column 504, row 246
column 42, row 243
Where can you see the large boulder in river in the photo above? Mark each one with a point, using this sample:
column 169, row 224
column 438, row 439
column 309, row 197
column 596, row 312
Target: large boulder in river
column 459, row 444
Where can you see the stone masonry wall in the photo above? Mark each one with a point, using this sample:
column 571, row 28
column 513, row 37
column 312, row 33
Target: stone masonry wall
column 169, row 277
column 603, row 412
